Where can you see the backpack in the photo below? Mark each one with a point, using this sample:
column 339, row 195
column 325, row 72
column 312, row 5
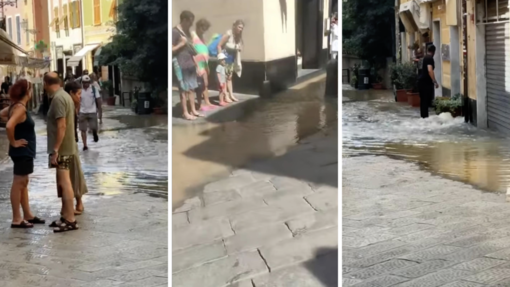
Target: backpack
column 212, row 46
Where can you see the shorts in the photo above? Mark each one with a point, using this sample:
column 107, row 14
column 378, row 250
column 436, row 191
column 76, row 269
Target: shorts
column 64, row 162
column 87, row 121
column 23, row 165
column 189, row 80
column 229, row 69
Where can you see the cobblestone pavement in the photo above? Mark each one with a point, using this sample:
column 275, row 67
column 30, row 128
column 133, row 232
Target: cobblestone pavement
column 405, row 227
column 123, row 233
column 272, row 223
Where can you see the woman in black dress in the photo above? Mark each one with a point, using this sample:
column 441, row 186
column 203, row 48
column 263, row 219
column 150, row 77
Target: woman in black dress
column 21, row 134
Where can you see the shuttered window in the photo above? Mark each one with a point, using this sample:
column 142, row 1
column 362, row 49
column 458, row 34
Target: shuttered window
column 97, row 12
column 57, row 21
column 113, row 10
column 65, row 19
column 18, row 30
column 9, row 27
column 77, row 14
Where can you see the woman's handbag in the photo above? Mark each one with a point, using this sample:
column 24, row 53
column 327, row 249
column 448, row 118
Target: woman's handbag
column 189, row 44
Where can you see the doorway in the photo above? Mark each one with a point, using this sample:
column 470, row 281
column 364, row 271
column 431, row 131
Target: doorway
column 438, row 71
column 309, row 35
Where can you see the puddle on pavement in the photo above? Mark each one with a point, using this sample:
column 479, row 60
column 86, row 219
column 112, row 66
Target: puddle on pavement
column 264, row 128
column 444, row 146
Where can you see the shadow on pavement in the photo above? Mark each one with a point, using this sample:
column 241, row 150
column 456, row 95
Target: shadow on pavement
column 325, row 266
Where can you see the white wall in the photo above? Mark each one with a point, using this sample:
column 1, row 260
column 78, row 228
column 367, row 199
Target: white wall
column 280, row 38
column 223, row 13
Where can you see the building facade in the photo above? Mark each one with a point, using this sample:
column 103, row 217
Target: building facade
column 66, row 37
column 41, row 16
column 284, row 41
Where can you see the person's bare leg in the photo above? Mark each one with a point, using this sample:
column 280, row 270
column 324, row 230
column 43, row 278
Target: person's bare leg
column 206, row 90
column 191, row 98
column 64, row 182
column 84, row 138
column 228, row 90
column 17, row 186
column 79, row 204
column 27, row 213
column 184, row 105
column 231, row 90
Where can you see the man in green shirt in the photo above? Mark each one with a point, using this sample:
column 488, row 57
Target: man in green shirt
column 61, row 147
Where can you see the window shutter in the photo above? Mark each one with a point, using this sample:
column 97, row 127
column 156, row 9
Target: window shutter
column 57, row 26
column 77, row 13
column 71, row 14
column 97, row 12
column 64, row 17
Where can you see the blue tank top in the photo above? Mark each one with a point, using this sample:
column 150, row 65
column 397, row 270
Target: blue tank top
column 26, row 131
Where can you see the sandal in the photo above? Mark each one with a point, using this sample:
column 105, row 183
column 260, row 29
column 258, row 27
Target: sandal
column 36, row 220
column 23, row 224
column 66, row 225
column 56, row 223
column 76, row 212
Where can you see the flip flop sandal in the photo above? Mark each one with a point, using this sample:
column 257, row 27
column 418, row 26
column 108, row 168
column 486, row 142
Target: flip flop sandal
column 76, row 212
column 23, row 224
column 36, row 220
column 66, row 225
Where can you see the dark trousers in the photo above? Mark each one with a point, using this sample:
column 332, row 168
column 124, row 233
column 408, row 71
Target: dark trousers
column 426, row 91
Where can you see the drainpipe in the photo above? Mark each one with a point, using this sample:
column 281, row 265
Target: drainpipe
column 83, row 35
column 398, row 53
column 467, row 105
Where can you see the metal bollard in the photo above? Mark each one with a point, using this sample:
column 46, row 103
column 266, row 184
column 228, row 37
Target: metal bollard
column 332, row 79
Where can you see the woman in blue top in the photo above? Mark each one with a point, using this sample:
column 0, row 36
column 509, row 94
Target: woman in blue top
column 21, row 134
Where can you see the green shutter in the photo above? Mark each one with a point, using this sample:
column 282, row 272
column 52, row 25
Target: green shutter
column 88, row 12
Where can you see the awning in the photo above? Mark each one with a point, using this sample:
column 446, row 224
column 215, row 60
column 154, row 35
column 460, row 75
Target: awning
column 96, row 54
column 74, row 61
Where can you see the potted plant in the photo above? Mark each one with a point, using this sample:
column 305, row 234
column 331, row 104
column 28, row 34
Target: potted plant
column 409, row 80
column 397, row 82
column 378, row 85
column 354, row 82
column 108, row 87
column 452, row 105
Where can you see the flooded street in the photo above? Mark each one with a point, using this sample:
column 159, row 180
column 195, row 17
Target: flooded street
column 253, row 130
column 374, row 124
column 123, row 233
column 131, row 155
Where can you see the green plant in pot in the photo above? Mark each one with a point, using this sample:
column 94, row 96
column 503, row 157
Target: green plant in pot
column 108, row 86
column 401, row 79
column 452, row 105
column 354, row 82
column 409, row 79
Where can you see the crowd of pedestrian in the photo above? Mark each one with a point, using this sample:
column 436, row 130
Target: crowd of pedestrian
column 191, row 54
column 70, row 104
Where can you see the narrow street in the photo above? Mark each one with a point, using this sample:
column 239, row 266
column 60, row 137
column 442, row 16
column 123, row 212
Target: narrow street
column 423, row 199
column 123, row 233
column 255, row 193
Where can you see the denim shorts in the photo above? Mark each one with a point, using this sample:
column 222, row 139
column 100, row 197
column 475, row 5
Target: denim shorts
column 189, row 80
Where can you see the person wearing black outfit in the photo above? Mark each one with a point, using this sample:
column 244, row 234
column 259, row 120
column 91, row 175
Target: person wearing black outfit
column 21, row 134
column 427, row 82
column 6, row 85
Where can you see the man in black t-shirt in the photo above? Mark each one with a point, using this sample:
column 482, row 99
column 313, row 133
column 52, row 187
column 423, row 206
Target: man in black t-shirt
column 427, row 82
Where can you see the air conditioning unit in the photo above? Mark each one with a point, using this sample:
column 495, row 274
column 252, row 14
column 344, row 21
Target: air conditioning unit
column 415, row 16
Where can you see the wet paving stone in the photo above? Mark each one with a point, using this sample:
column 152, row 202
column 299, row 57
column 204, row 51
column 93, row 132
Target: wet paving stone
column 123, row 232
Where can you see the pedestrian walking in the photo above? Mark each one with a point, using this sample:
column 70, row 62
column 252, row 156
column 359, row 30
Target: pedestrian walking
column 185, row 67
column 22, row 149
column 427, row 82
column 333, row 36
column 221, row 76
column 231, row 44
column 90, row 111
column 61, row 148
column 202, row 60
column 6, row 85
column 77, row 178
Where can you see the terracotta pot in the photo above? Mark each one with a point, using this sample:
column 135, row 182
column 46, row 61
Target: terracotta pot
column 158, row 111
column 413, row 99
column 377, row 86
column 402, row 96
column 110, row 101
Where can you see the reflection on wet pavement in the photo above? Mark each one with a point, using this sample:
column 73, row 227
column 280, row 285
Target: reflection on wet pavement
column 264, row 128
column 448, row 147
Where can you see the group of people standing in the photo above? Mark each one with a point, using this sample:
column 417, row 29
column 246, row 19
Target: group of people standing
column 190, row 57
column 66, row 103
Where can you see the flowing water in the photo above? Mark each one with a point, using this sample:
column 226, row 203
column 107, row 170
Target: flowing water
column 374, row 124
column 252, row 130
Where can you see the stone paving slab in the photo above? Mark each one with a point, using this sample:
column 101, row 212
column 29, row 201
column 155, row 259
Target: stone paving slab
column 435, row 232
column 256, row 228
